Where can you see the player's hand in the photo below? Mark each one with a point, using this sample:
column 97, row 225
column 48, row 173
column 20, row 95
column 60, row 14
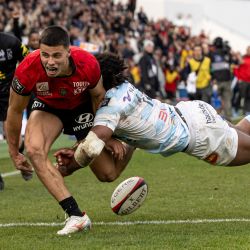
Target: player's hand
column 22, row 164
column 117, row 148
column 64, row 156
column 66, row 163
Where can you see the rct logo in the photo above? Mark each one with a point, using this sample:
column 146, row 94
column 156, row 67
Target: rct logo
column 84, row 118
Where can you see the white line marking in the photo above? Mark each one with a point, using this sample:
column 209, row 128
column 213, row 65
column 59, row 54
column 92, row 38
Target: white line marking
column 128, row 223
column 10, row 173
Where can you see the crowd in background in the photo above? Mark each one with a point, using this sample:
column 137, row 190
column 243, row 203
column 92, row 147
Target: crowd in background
column 164, row 59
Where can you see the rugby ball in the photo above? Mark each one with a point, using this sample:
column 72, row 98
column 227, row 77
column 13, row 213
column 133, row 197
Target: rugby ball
column 129, row 195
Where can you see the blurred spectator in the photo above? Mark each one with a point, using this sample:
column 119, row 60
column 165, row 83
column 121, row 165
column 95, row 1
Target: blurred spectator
column 127, row 51
column 142, row 17
column 221, row 74
column 216, row 99
column 134, row 72
column 242, row 72
column 160, row 73
column 172, row 77
column 131, row 6
column 200, row 66
column 205, row 49
column 107, row 25
column 149, row 71
column 33, row 40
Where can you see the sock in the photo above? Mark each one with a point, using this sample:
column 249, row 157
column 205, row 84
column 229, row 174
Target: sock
column 70, row 206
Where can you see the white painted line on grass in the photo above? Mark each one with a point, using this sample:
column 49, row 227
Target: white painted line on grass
column 10, row 173
column 128, row 223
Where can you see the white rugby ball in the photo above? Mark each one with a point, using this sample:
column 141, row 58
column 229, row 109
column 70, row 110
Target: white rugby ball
column 129, row 195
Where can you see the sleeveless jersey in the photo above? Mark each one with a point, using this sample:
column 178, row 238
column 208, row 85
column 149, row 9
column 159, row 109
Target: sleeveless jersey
column 141, row 121
column 58, row 92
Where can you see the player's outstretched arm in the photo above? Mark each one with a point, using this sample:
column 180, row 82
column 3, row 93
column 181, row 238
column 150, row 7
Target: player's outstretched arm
column 17, row 104
column 106, row 162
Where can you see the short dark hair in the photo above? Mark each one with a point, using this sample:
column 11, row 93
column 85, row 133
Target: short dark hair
column 33, row 31
column 55, row 36
column 112, row 69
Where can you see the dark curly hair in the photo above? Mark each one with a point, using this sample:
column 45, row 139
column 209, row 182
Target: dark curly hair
column 112, row 69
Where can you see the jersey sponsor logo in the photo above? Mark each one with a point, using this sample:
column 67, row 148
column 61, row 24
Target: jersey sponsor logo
column 9, row 54
column 207, row 113
column 2, row 55
column 42, row 88
column 17, row 86
column 83, row 126
column 163, row 115
column 85, row 121
column 79, row 87
column 212, row 158
column 63, row 91
column 128, row 97
column 84, row 118
column 37, row 104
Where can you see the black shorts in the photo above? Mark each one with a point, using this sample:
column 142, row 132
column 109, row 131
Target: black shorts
column 4, row 103
column 76, row 122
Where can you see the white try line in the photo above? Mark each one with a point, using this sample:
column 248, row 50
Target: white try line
column 129, row 223
column 10, row 173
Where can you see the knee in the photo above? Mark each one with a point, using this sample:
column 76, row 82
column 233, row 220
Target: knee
column 107, row 177
column 34, row 153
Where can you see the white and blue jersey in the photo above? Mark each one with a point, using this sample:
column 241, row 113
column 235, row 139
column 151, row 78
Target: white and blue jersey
column 141, row 121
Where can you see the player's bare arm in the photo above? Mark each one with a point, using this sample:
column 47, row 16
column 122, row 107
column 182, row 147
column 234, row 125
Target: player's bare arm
column 70, row 160
column 115, row 155
column 97, row 94
column 92, row 145
column 17, row 104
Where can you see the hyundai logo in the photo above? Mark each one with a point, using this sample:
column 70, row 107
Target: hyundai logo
column 84, row 118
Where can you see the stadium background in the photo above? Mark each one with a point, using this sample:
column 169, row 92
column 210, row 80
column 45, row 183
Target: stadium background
column 174, row 27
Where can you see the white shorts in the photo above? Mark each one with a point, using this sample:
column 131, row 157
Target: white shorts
column 212, row 139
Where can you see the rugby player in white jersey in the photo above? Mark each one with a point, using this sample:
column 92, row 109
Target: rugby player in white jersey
column 192, row 127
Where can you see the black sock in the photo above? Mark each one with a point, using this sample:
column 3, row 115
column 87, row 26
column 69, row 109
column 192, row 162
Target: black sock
column 69, row 205
column 1, row 183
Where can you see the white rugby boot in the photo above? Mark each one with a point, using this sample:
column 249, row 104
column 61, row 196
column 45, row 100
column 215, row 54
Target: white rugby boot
column 75, row 224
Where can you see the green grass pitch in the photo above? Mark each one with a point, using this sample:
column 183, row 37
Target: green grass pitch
column 187, row 207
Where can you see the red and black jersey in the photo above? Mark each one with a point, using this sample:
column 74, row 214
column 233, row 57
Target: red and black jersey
column 59, row 92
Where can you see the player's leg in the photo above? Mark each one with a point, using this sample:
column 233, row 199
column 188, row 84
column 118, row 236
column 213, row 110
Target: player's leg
column 243, row 151
column 106, row 168
column 244, row 125
column 42, row 130
column 243, row 130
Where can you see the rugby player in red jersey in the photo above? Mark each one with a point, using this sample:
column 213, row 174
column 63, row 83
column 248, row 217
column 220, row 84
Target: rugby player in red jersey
column 68, row 88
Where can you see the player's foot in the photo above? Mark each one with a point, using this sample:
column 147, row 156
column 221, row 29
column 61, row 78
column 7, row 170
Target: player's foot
column 26, row 176
column 76, row 224
column 1, row 183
